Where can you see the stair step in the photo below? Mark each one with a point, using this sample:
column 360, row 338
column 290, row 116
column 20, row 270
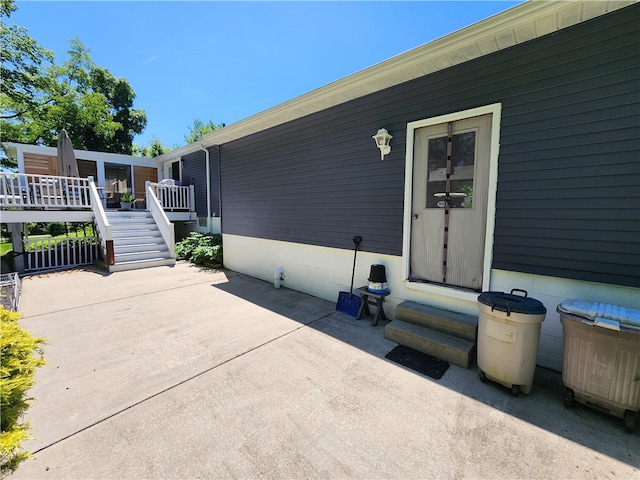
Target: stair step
column 135, row 265
column 455, row 350
column 149, row 237
column 125, row 227
column 141, row 255
column 445, row 321
column 128, row 213
column 137, row 232
column 138, row 247
column 137, row 241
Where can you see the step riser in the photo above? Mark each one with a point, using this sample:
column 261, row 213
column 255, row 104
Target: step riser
column 132, row 240
column 137, row 265
column 128, row 214
column 462, row 355
column 136, row 234
column 125, row 221
column 128, row 227
column 141, row 255
column 452, row 323
column 135, row 248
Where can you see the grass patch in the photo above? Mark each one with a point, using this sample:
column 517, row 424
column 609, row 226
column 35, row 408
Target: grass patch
column 5, row 248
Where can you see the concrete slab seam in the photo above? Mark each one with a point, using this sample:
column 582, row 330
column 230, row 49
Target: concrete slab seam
column 111, row 300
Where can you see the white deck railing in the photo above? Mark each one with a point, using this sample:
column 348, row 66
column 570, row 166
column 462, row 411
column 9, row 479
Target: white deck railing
column 43, row 191
column 55, row 253
column 174, row 198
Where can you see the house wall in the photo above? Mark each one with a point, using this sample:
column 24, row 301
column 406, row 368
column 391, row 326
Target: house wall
column 194, row 172
column 568, row 183
column 568, row 171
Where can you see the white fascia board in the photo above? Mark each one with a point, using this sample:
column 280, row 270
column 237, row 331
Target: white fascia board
column 516, row 25
column 82, row 154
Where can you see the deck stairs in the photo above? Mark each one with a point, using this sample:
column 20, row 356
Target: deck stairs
column 137, row 241
column 441, row 333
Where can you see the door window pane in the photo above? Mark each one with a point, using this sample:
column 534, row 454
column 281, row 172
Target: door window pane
column 117, row 181
column 460, row 188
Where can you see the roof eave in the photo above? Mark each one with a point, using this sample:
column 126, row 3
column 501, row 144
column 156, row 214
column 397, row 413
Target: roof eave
column 516, row 25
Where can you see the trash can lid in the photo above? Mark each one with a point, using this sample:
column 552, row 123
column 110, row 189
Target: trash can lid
column 593, row 310
column 508, row 302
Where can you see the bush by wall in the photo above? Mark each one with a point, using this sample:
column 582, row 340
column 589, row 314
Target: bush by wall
column 20, row 355
column 200, row 248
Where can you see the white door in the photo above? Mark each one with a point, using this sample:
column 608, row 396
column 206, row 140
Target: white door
column 449, row 202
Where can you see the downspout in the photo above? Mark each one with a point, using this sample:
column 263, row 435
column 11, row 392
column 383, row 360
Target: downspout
column 208, row 173
column 219, row 187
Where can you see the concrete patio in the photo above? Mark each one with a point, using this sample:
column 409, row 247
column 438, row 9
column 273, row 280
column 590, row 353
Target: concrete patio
column 181, row 372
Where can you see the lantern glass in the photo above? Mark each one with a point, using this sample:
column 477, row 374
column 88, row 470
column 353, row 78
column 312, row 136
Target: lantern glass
column 383, row 140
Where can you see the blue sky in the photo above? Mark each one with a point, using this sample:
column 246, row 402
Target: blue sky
column 225, row 61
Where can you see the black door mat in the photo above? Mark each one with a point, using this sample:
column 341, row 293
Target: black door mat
column 418, row 361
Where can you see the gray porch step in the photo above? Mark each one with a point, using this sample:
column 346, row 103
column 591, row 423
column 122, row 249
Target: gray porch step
column 458, row 351
column 453, row 323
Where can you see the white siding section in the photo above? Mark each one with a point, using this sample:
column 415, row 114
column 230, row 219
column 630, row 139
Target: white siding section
column 551, row 291
column 323, row 272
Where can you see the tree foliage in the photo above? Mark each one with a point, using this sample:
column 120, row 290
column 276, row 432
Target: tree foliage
column 39, row 97
column 153, row 150
column 199, row 129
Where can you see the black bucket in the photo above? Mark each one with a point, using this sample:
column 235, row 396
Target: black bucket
column 378, row 279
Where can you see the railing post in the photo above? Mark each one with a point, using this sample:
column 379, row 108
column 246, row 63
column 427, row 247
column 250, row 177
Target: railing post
column 17, row 230
column 110, row 253
column 192, row 198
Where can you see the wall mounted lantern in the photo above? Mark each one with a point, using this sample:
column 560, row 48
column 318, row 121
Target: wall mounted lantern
column 383, row 139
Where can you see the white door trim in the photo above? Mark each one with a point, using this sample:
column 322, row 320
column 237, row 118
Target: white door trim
column 494, row 109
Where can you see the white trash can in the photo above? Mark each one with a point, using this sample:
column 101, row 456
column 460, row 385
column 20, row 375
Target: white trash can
column 508, row 338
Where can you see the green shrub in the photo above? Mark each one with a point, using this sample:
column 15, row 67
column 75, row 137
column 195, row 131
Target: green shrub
column 18, row 363
column 200, row 248
column 56, row 228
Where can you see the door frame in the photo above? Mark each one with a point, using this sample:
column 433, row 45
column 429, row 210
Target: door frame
column 495, row 110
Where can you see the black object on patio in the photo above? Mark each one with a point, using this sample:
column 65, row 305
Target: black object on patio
column 418, row 361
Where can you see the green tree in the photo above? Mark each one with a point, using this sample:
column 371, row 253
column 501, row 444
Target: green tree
column 38, row 97
column 153, row 150
column 23, row 69
column 199, row 129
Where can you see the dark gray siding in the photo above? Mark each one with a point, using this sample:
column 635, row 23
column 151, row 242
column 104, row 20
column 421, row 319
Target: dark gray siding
column 194, row 172
column 569, row 176
column 568, row 201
